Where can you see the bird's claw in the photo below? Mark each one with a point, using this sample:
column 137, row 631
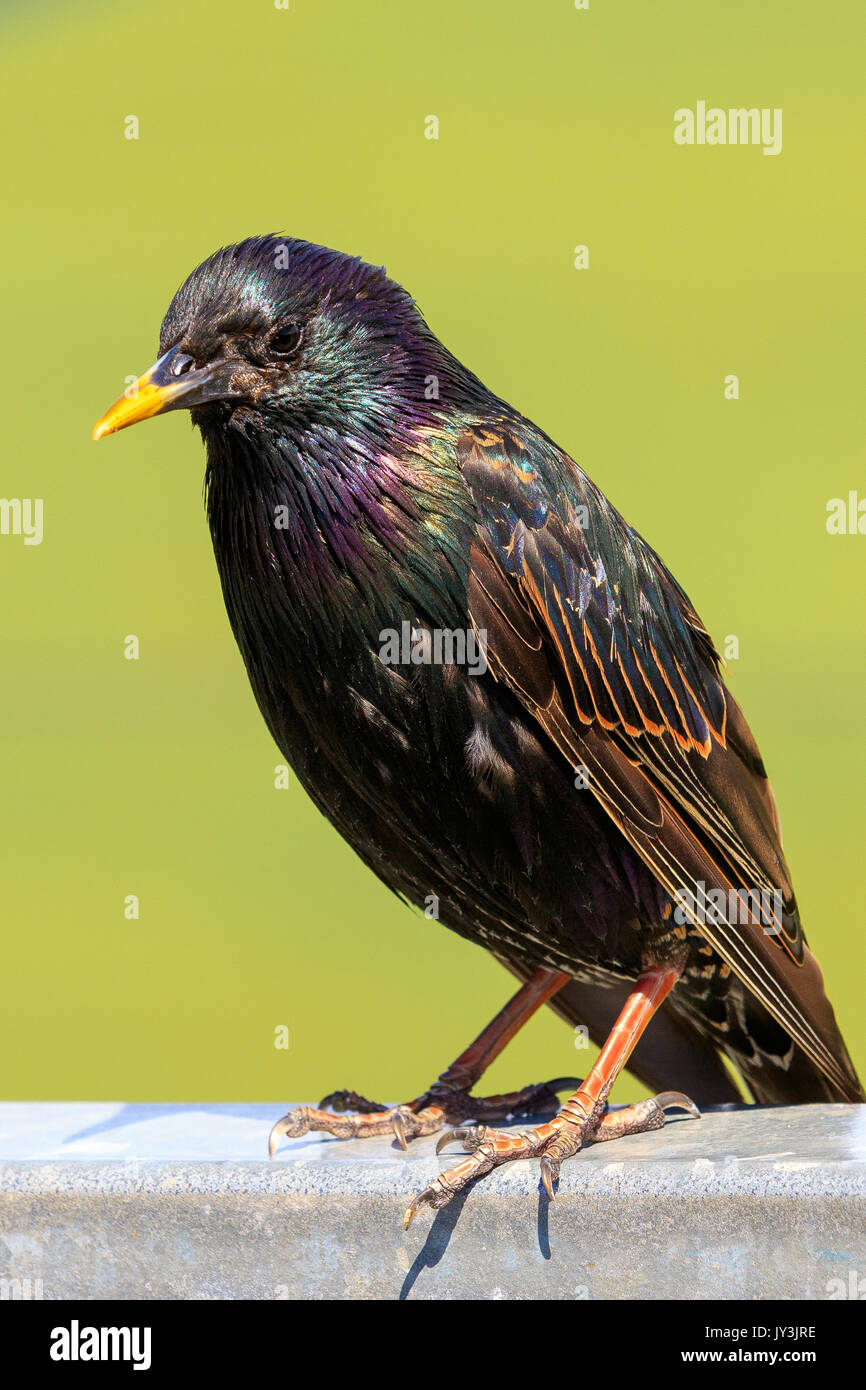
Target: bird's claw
column 552, row 1143
column 675, row 1100
column 549, row 1174
column 401, row 1121
column 436, row 1194
column 399, row 1127
column 470, row 1136
column 442, row 1104
column 341, row 1101
column 296, row 1123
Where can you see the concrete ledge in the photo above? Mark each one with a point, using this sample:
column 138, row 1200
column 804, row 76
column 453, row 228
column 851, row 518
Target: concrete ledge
column 176, row 1201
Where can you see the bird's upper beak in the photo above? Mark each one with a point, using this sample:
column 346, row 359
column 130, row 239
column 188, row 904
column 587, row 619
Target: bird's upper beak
column 172, row 383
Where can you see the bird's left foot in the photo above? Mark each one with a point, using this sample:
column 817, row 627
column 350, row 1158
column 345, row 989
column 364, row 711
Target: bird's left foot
column 560, row 1138
column 443, row 1104
column 448, row 1100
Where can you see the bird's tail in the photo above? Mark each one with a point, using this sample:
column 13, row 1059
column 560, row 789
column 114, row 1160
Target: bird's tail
column 775, row 1069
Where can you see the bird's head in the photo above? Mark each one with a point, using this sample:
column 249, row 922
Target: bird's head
column 278, row 326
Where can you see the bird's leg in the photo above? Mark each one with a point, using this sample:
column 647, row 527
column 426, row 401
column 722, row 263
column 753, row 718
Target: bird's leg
column 448, row 1100
column 582, row 1117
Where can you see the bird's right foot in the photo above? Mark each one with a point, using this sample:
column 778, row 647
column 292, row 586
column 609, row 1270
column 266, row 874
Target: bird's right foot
column 441, row 1105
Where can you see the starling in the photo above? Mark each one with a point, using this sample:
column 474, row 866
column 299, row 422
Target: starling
column 493, row 688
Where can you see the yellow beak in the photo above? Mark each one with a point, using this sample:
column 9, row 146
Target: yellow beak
column 169, row 384
column 138, row 403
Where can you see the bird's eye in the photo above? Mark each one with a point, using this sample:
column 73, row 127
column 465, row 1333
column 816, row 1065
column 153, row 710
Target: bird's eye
column 286, row 340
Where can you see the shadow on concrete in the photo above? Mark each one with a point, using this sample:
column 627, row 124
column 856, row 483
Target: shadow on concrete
column 438, row 1240
column 131, row 1114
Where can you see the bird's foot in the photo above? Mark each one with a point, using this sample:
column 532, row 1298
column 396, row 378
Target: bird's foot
column 559, row 1139
column 427, row 1114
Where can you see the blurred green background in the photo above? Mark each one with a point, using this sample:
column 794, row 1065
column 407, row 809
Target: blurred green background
column 156, row 776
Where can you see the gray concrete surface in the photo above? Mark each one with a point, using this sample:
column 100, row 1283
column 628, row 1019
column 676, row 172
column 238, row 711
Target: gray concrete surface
column 178, row 1201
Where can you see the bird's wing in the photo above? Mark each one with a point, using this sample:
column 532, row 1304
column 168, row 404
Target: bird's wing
column 586, row 625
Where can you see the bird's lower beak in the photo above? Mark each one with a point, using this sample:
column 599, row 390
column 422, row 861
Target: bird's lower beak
column 168, row 385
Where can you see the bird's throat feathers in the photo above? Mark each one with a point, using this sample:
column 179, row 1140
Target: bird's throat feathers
column 317, row 534
column 335, row 499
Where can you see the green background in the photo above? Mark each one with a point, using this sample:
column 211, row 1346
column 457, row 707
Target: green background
column 155, row 777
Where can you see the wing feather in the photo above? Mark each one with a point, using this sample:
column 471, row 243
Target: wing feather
column 587, row 626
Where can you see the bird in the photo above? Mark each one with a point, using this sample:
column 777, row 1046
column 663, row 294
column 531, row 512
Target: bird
column 498, row 694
